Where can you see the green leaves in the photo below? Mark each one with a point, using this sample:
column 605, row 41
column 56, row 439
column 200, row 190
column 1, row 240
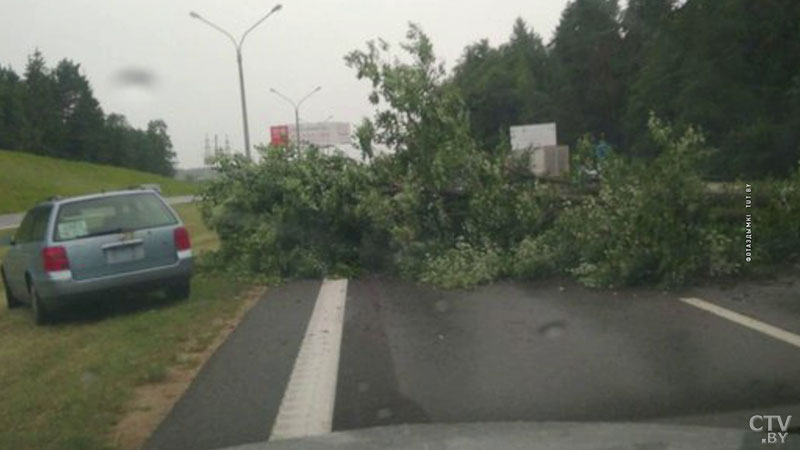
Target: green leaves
column 365, row 136
column 289, row 215
column 464, row 266
column 648, row 224
column 505, row 86
column 441, row 209
column 725, row 66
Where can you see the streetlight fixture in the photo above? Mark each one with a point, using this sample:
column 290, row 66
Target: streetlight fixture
column 296, row 106
column 327, row 119
column 238, row 46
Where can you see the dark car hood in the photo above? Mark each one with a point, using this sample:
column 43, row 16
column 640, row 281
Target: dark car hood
column 522, row 435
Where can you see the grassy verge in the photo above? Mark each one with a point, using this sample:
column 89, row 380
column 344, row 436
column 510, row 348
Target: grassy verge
column 31, row 178
column 202, row 238
column 66, row 385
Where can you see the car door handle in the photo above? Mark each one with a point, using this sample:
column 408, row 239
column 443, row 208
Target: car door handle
column 121, row 244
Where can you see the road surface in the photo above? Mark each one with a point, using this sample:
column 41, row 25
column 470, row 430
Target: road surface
column 12, row 220
column 505, row 352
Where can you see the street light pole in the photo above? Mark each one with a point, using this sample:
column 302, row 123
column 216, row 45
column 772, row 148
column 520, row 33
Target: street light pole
column 244, row 103
column 238, row 46
column 297, row 124
column 296, row 106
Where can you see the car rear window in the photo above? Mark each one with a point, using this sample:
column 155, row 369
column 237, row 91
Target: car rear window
column 108, row 215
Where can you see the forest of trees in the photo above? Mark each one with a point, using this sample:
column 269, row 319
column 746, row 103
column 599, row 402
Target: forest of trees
column 53, row 112
column 729, row 67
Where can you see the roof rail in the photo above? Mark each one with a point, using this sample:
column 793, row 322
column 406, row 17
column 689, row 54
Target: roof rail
column 52, row 198
column 150, row 187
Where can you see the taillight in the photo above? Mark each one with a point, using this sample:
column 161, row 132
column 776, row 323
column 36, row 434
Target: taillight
column 55, row 259
column 182, row 242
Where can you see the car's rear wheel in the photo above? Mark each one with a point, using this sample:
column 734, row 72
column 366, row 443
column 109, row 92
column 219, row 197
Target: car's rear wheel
column 11, row 301
column 40, row 312
column 180, row 290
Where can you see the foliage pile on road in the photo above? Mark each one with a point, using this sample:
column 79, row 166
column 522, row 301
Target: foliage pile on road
column 292, row 214
column 649, row 223
column 436, row 206
column 443, row 209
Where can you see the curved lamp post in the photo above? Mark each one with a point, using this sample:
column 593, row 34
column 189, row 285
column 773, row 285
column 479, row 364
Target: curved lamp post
column 238, row 46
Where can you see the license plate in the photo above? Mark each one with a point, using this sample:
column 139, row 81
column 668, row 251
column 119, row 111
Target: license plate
column 124, row 254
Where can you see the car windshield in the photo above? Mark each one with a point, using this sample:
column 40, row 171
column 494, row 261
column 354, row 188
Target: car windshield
column 113, row 214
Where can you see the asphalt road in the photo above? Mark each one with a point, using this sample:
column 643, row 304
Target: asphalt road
column 10, row 220
column 506, row 352
column 13, row 220
column 235, row 397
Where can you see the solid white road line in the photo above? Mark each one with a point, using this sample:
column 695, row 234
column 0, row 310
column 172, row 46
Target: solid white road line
column 307, row 405
column 745, row 321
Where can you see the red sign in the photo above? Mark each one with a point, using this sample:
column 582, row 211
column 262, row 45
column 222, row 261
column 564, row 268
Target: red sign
column 279, row 135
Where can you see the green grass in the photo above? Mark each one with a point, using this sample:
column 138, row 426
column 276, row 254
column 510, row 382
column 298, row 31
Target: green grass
column 67, row 384
column 26, row 179
column 202, row 238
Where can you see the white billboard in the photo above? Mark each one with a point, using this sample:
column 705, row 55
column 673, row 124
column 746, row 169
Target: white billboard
column 533, row 136
column 323, row 134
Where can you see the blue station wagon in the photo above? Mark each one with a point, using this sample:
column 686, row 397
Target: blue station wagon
column 93, row 246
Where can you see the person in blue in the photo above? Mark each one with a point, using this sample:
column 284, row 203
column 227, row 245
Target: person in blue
column 601, row 149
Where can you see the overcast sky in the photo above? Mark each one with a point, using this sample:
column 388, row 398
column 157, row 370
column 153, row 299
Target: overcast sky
column 195, row 87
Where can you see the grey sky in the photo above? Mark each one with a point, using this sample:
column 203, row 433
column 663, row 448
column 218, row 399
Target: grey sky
column 193, row 70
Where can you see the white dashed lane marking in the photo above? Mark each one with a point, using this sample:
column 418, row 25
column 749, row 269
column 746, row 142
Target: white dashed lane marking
column 745, row 321
column 307, row 405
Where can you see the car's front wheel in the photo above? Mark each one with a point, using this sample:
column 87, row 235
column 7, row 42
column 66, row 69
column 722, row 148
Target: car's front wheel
column 180, row 290
column 40, row 313
column 11, row 301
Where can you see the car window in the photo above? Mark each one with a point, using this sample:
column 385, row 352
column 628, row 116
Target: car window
column 41, row 217
column 111, row 215
column 24, row 229
column 34, row 225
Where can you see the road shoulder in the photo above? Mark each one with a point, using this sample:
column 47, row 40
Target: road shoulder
column 152, row 402
column 234, row 399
